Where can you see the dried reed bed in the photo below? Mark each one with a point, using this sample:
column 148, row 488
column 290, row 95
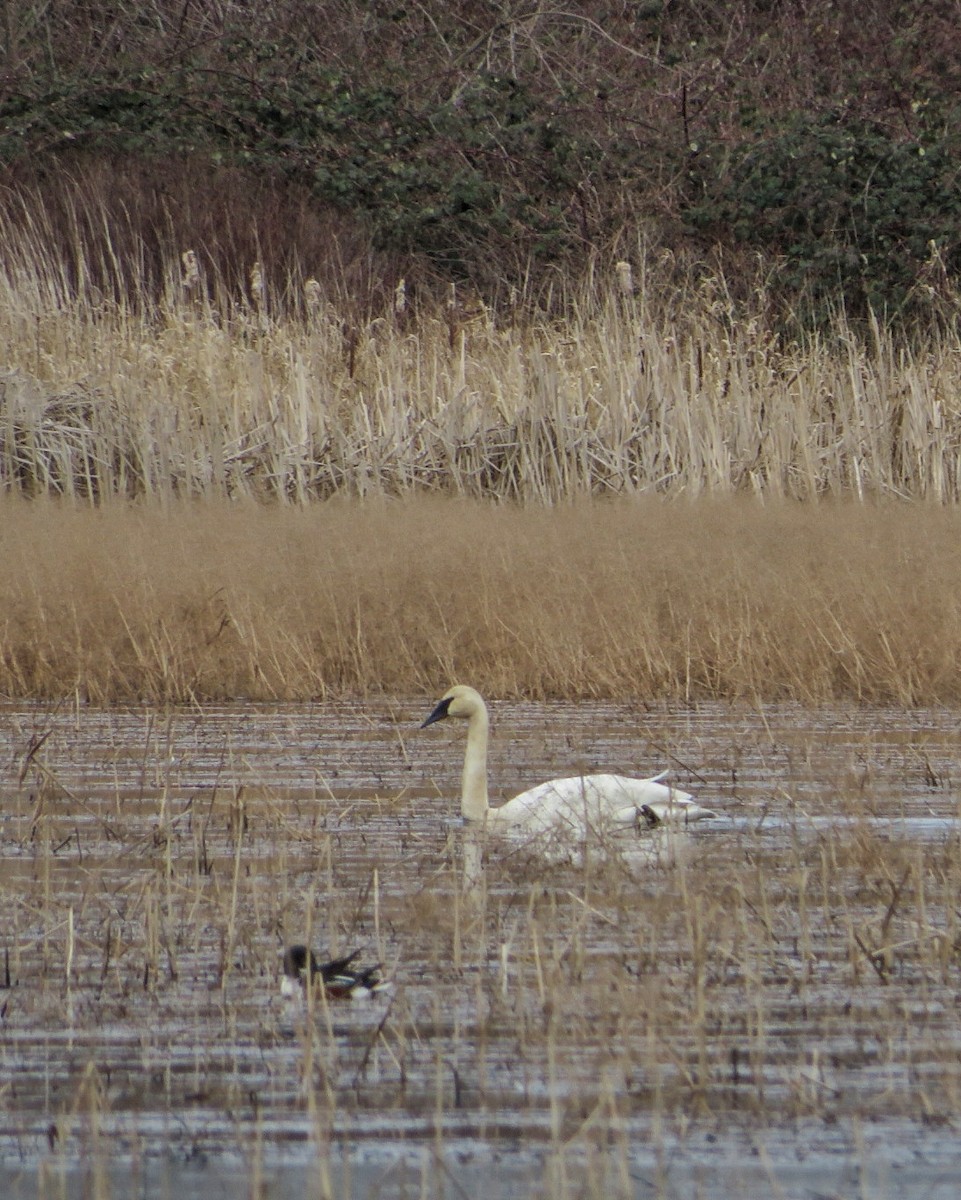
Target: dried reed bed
column 651, row 380
column 637, row 598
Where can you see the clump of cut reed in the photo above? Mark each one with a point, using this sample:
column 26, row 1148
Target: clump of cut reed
column 623, row 599
column 650, row 382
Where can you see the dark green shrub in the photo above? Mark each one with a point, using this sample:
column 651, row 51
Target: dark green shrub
column 846, row 208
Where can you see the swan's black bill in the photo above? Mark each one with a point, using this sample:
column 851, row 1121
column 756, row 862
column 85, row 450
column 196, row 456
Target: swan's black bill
column 439, row 713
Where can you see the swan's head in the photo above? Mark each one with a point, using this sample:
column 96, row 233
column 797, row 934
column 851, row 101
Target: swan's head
column 459, row 701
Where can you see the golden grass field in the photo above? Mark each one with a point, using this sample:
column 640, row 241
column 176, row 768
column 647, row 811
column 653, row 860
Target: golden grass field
column 636, row 487
column 644, row 598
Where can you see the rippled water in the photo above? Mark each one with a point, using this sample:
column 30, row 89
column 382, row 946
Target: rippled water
column 778, row 1009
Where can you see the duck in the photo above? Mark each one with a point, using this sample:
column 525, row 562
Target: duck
column 337, row 978
column 574, row 807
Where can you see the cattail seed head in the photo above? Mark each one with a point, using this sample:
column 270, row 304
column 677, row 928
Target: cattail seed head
column 625, row 278
column 312, row 295
column 191, row 276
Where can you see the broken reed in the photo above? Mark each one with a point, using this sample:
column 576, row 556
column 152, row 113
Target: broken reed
column 641, row 598
column 652, row 381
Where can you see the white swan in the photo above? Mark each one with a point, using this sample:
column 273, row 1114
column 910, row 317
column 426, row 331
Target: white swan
column 574, row 807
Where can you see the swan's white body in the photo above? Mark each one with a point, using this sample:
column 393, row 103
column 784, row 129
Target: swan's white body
column 575, row 807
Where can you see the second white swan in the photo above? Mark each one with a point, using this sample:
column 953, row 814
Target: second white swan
column 576, row 806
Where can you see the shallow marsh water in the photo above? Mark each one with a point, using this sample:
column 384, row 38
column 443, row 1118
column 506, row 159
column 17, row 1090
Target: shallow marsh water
column 778, row 1010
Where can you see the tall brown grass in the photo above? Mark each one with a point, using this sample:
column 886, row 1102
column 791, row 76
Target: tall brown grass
column 200, row 386
column 639, row 598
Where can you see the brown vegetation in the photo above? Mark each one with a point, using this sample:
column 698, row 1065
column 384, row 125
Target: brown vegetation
column 638, row 598
column 651, row 393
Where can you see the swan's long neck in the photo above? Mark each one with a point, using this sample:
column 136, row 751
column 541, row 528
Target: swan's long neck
column 473, row 799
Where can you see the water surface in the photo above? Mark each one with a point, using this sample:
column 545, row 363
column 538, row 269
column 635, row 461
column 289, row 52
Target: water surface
column 779, row 1009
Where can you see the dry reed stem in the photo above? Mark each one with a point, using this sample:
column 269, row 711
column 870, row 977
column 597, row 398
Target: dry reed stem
column 647, row 599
